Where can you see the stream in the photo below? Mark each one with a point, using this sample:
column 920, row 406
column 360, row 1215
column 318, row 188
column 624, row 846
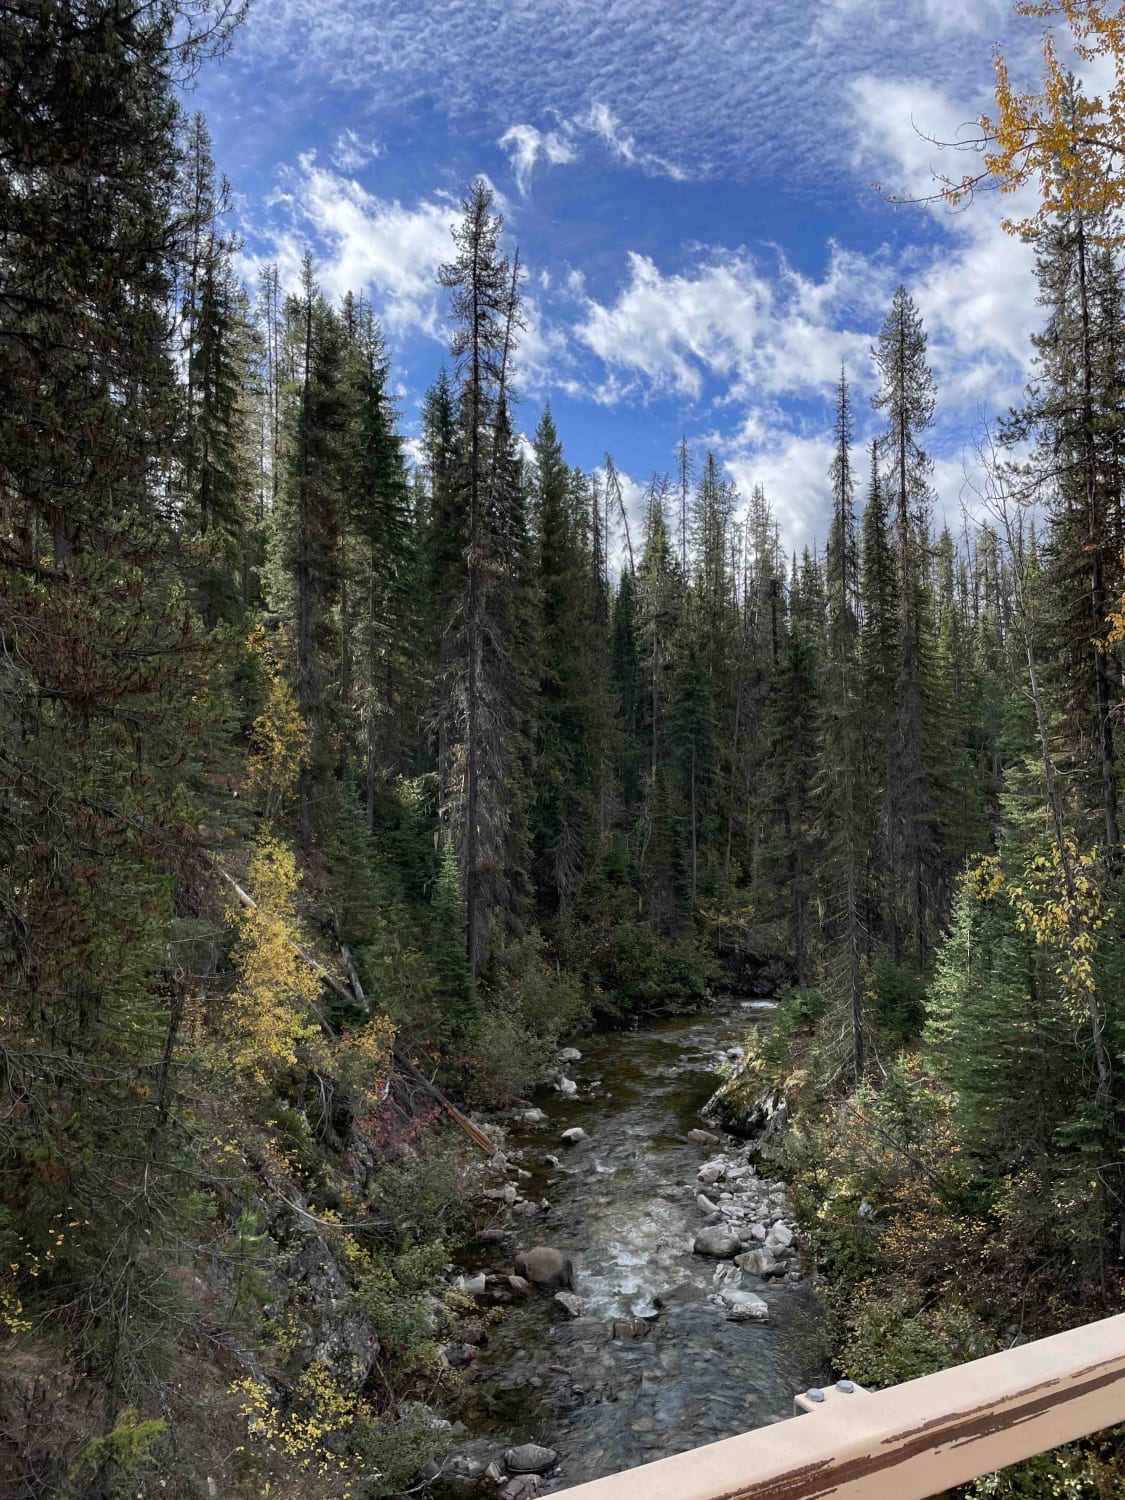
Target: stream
column 623, row 1205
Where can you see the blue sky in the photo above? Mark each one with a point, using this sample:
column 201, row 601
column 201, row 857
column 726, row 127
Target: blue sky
column 690, row 188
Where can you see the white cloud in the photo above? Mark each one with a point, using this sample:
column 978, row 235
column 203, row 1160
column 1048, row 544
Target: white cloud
column 351, row 152
column 360, row 242
column 734, row 87
column 526, row 145
column 602, row 122
column 727, row 319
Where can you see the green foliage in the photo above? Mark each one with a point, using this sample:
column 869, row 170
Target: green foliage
column 891, row 1339
column 120, row 1455
column 898, row 1000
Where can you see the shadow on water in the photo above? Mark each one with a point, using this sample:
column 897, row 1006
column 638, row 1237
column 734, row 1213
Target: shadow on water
column 623, row 1206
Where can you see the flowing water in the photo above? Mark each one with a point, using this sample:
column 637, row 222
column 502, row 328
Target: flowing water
column 623, row 1206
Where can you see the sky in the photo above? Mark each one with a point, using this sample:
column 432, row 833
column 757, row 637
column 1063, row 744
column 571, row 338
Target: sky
column 694, row 190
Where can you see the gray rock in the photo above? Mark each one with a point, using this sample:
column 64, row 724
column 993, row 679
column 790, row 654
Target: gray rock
column 704, row 1137
column 574, row 1135
column 522, row 1487
column 474, row 1285
column 719, row 1242
column 757, row 1262
column 745, row 1307
column 534, row 1117
column 569, row 1055
column 457, row 1356
column 569, row 1303
column 758, row 1232
column 780, row 1237
column 630, row 1328
column 546, row 1267
column 520, row 1286
column 711, row 1171
column 530, row 1458
column 705, row 1204
column 567, row 1087
column 550, row 1161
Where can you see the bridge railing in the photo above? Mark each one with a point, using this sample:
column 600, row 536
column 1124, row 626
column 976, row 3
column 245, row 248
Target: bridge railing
column 908, row 1442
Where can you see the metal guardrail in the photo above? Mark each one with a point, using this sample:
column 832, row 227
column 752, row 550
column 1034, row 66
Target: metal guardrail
column 911, row 1441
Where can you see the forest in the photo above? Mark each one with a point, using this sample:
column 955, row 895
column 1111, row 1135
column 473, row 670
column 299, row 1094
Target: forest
column 344, row 779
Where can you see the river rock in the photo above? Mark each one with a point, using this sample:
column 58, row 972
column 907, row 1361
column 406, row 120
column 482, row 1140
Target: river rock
column 574, row 1135
column 534, row 1117
column 630, row 1328
column 522, row 1487
column 780, row 1237
column 705, row 1204
column 546, row 1267
column 758, row 1232
column 719, row 1242
column 550, row 1161
column 530, row 1458
column 567, row 1087
column 569, row 1303
column 570, row 1055
column 704, row 1137
column 474, row 1285
column 757, row 1262
column 711, row 1171
column 745, row 1307
column 520, row 1286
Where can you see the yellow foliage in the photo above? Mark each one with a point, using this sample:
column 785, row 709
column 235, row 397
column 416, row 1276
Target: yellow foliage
column 1063, row 914
column 279, row 737
column 320, row 1409
column 1067, row 143
column 274, row 995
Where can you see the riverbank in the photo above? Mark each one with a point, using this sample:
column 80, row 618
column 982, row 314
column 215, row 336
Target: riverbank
column 669, row 1348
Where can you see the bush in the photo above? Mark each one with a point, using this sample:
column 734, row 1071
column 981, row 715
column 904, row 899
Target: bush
column 890, row 1339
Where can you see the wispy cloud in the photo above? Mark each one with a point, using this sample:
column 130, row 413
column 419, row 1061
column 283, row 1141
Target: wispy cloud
column 526, row 145
column 351, row 152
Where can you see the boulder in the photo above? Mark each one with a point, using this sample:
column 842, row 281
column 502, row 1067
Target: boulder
column 545, row 1267
column 474, row 1285
column 457, row 1356
column 550, row 1161
column 534, row 1117
column 570, row 1304
column 780, row 1237
column 745, row 1307
column 567, row 1087
column 520, row 1286
column 704, row 1203
column 570, row 1055
column 757, row 1262
column 530, row 1458
column 704, row 1137
column 711, row 1171
column 758, row 1232
column 574, row 1135
column 719, row 1242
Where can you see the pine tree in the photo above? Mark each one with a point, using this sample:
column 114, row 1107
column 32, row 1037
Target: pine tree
column 841, row 786
column 907, row 398
column 475, row 649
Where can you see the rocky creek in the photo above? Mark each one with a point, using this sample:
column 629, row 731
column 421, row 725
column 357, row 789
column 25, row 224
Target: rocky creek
column 666, row 1347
